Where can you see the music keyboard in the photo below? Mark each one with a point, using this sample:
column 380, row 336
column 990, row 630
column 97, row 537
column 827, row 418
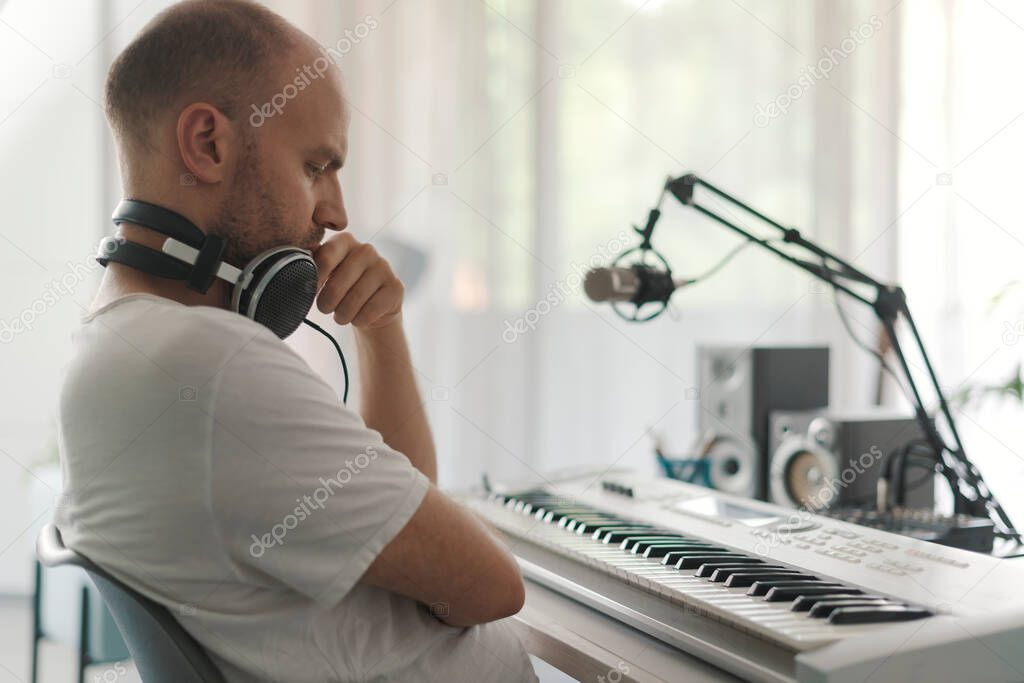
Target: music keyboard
column 762, row 591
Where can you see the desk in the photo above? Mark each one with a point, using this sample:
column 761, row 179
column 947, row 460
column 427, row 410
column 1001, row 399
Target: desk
column 590, row 646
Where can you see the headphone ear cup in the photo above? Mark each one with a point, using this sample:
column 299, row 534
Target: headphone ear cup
column 281, row 289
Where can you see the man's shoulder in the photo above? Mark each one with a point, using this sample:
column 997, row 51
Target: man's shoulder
column 145, row 311
column 169, row 323
column 142, row 335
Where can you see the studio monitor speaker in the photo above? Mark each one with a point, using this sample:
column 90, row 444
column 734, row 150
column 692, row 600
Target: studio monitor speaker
column 820, row 459
column 739, row 388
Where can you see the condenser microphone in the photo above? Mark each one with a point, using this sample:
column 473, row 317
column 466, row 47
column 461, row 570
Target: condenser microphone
column 639, row 284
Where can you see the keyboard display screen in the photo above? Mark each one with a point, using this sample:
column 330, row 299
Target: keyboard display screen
column 713, row 507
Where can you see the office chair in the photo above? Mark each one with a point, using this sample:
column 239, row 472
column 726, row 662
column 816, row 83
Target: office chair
column 163, row 652
column 86, row 624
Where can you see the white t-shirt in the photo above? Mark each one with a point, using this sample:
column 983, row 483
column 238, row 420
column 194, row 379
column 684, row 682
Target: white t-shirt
column 208, row 467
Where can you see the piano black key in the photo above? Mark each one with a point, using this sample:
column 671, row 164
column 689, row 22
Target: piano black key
column 534, row 499
column 761, row 588
column 876, row 615
column 824, row 608
column 720, row 571
column 588, row 525
column 531, row 492
column 731, row 560
column 640, row 543
column 586, row 514
column 585, row 517
column 558, row 514
column 546, row 500
column 805, row 603
column 582, row 523
column 687, row 560
column 658, row 551
column 544, row 506
column 529, row 506
column 633, row 539
column 787, row 593
column 744, row 579
column 674, row 544
column 611, row 526
column 553, row 516
column 615, row 536
column 564, row 519
column 708, row 568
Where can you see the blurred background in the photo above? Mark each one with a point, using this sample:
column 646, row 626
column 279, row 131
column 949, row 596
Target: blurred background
column 510, row 143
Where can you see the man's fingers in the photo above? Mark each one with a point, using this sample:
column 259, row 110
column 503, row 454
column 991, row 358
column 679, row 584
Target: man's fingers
column 381, row 303
column 359, row 294
column 356, row 262
column 329, row 254
column 355, row 283
column 337, row 286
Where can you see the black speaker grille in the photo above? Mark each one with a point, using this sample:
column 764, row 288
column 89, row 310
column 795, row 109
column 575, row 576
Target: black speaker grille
column 287, row 298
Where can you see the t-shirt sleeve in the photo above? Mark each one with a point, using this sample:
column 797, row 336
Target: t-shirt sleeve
column 301, row 489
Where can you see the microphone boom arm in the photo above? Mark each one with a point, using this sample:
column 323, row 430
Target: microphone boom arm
column 889, row 304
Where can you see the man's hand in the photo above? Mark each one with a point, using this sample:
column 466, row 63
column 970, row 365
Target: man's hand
column 356, row 283
column 359, row 287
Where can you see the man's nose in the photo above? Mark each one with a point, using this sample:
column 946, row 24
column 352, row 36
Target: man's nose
column 331, row 218
column 330, row 210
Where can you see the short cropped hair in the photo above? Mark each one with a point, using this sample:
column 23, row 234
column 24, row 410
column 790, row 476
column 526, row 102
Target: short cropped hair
column 216, row 51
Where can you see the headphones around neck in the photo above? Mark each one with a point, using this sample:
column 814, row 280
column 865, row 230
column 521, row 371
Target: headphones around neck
column 275, row 289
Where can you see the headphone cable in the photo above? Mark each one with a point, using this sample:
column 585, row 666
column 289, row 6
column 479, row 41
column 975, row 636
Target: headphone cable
column 344, row 365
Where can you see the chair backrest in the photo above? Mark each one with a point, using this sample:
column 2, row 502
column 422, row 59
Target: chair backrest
column 163, row 651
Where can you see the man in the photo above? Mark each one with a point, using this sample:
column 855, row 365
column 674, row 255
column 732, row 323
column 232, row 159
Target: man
column 205, row 464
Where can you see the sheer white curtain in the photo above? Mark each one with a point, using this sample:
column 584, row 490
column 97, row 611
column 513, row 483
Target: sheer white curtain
column 961, row 240
column 513, row 141
column 52, row 213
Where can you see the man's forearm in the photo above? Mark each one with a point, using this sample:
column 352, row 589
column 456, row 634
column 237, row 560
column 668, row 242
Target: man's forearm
column 391, row 402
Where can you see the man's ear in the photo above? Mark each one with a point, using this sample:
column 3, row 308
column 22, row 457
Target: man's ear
column 206, row 141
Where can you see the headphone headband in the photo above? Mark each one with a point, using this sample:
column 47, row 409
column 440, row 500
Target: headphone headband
column 276, row 288
column 160, row 219
column 141, row 257
column 211, row 247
